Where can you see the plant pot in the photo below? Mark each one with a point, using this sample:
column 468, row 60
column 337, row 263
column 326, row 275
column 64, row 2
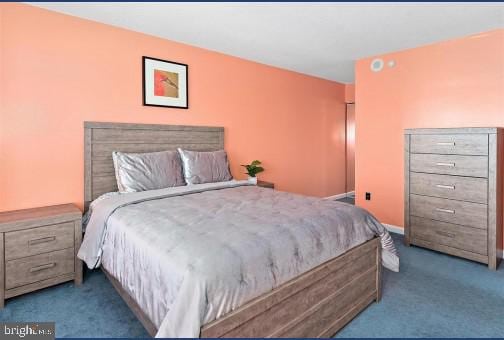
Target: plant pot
column 252, row 180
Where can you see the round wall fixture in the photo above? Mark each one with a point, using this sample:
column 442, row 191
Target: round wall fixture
column 377, row 65
column 391, row 63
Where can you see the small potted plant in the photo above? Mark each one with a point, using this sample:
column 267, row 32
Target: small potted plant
column 252, row 170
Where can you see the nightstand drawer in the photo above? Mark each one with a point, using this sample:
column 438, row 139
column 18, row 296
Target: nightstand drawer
column 39, row 267
column 38, row 240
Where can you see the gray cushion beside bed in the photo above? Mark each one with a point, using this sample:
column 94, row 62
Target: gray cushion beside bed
column 205, row 167
column 147, row 171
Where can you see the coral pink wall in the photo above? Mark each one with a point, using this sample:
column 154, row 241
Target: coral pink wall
column 59, row 71
column 350, row 148
column 457, row 83
column 350, row 93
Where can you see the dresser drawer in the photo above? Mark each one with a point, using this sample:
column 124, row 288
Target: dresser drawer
column 442, row 209
column 457, row 144
column 471, row 189
column 474, row 166
column 38, row 240
column 39, row 267
column 452, row 235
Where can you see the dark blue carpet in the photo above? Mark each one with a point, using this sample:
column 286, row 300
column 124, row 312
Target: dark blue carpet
column 434, row 295
column 93, row 309
column 349, row 200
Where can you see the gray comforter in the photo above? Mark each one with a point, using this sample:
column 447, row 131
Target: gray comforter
column 189, row 255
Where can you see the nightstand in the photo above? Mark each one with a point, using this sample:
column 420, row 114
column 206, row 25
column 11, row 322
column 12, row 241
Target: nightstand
column 38, row 249
column 264, row 184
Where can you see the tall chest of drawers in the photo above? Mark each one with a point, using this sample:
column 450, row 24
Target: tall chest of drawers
column 453, row 191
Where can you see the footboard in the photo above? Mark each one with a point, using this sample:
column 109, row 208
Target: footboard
column 315, row 304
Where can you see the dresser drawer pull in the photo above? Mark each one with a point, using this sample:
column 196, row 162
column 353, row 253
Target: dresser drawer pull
column 446, row 164
column 443, row 233
column 448, row 211
column 42, row 267
column 42, row 240
column 446, row 143
column 442, row 186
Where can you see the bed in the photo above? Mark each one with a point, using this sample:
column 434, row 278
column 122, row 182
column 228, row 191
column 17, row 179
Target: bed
column 226, row 259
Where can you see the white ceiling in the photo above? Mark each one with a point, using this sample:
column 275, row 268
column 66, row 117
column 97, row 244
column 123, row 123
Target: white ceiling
column 320, row 39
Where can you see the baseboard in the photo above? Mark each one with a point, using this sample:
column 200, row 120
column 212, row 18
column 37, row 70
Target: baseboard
column 338, row 196
column 394, row 229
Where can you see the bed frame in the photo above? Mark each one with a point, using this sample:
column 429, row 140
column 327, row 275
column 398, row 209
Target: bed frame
column 317, row 303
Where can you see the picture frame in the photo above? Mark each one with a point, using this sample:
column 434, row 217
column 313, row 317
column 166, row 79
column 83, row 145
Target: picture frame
column 165, row 83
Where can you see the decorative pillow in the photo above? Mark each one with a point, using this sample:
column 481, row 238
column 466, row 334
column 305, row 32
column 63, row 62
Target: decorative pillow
column 205, row 167
column 147, row 171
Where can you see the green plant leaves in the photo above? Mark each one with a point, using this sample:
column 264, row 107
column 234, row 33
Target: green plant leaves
column 253, row 169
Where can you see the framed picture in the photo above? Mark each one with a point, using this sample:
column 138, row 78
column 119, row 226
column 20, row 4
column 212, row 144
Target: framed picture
column 164, row 83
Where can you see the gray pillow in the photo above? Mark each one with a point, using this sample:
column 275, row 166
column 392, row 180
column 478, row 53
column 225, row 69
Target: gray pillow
column 147, row 171
column 205, row 167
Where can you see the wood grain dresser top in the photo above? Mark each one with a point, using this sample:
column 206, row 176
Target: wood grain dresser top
column 69, row 211
column 440, row 131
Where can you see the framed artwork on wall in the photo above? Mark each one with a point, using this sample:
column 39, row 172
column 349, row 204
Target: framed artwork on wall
column 165, row 83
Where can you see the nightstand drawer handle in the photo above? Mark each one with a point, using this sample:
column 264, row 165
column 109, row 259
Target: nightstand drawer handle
column 446, row 164
column 443, row 233
column 442, row 186
column 42, row 240
column 446, row 143
column 42, row 267
column 448, row 211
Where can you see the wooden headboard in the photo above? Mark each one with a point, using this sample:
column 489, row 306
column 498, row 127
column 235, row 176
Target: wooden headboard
column 101, row 139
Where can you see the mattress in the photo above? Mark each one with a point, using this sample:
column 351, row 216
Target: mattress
column 189, row 255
